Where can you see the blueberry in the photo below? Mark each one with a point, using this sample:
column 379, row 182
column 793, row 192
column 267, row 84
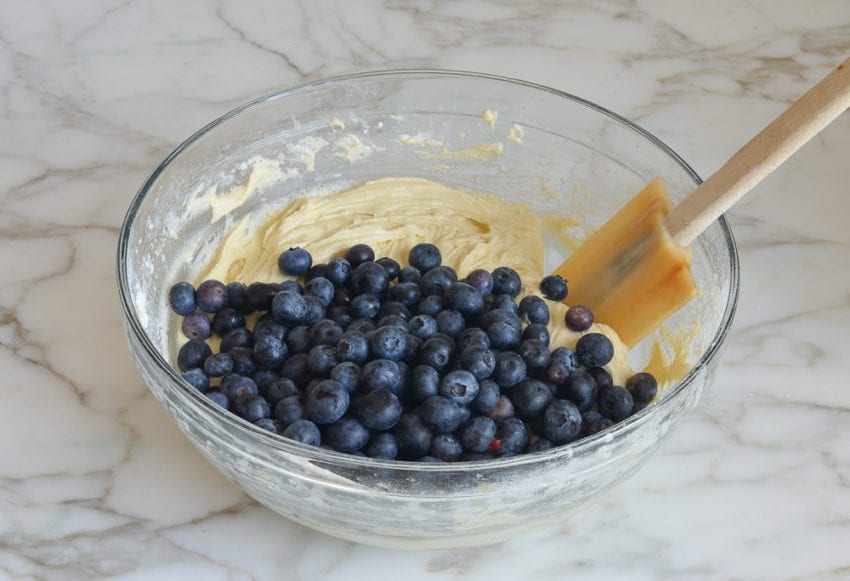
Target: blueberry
column 394, row 321
column 446, row 447
column 218, row 365
column 218, row 398
column 464, row 298
column 615, row 403
column 413, row 437
column 299, row 339
column 561, row 421
column 364, row 306
column 594, row 350
column 295, row 261
column 425, row 383
column 566, row 356
column 379, row 409
column 441, row 414
column 303, row 431
column 268, row 327
column 260, row 295
column 269, row 425
column 481, row 280
column 244, row 362
column 579, row 318
column 211, row 296
column 511, row 437
column 642, row 386
column 406, row 293
column 290, row 409
column 380, row 374
column 342, row 297
column 450, row 322
column 597, row 426
column 339, row 314
column 539, row 445
column 504, row 302
column 321, row 359
column 537, row 332
column 459, row 386
column 322, row 289
column 478, row 434
column 436, row 281
column 289, row 308
column 424, row 257
column 235, row 386
column 192, row 354
column 348, row 374
column 338, row 272
column 510, row 369
column 479, row 361
column 488, row 396
column 358, row 254
column 353, row 346
column 504, row 408
column 394, row 308
column 506, row 281
column 556, row 372
column 181, row 296
column 290, row 285
column 269, row 352
column 436, row 352
column 382, row 445
column 503, row 335
column 535, row 354
column 279, row 389
column 315, row 271
column 296, row 368
column 240, row 337
column 346, row 435
column 226, row 320
column 263, row 378
column 252, row 407
column 430, row 305
column 388, row 343
column 315, row 310
column 501, row 316
column 392, row 267
column 554, row 287
column 196, row 326
column 580, row 388
column 534, row 309
column 197, row 379
column 327, row 402
column 237, row 297
column 362, row 326
column 325, row 332
column 423, row 326
column 409, row 274
column 530, row 398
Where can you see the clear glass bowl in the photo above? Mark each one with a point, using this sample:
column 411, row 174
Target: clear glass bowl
column 575, row 158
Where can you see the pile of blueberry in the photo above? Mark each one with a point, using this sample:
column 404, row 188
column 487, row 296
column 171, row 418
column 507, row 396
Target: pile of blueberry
column 368, row 357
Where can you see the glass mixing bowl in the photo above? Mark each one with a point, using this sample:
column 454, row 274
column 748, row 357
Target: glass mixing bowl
column 559, row 153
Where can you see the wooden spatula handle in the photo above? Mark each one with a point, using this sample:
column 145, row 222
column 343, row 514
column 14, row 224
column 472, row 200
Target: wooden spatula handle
column 761, row 155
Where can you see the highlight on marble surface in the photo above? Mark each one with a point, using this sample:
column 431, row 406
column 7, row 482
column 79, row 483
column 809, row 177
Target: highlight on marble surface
column 96, row 480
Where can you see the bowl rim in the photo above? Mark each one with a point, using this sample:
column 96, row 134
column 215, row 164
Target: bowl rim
column 564, row 451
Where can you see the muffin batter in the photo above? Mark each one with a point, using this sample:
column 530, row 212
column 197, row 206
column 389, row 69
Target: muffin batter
column 391, row 215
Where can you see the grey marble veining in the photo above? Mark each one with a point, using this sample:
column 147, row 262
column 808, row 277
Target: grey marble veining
column 95, row 479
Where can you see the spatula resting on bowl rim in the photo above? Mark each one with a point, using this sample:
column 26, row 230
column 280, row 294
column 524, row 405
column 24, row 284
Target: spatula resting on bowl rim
column 634, row 271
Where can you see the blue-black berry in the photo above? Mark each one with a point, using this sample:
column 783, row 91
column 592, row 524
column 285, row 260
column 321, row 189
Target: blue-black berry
column 295, row 261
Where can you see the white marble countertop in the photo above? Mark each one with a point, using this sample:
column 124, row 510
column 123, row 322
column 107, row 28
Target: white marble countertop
column 96, row 480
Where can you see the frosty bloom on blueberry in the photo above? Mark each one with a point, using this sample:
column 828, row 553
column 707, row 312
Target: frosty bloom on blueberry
column 403, row 361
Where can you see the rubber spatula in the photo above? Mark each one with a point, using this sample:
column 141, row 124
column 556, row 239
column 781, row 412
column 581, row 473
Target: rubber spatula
column 634, row 271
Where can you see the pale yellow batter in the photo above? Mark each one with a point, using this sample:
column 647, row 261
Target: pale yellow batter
column 391, row 215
